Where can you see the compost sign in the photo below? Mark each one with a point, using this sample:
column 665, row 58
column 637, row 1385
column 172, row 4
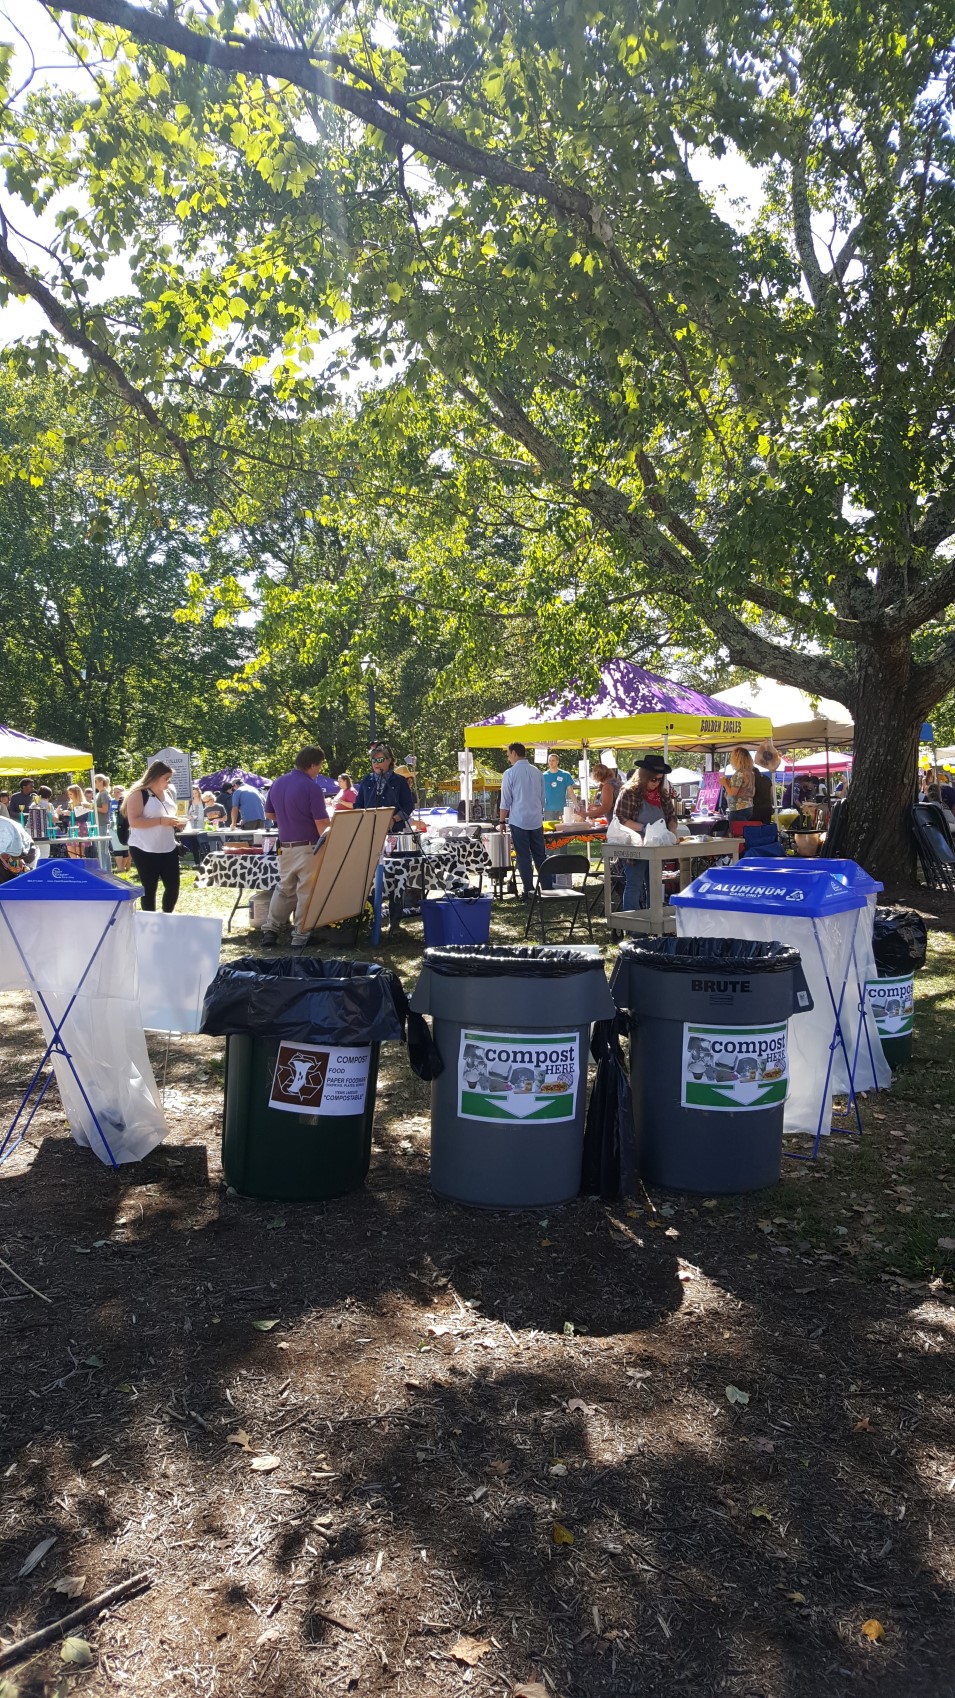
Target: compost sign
column 736, row 1068
column 892, row 1002
column 517, row 1076
column 316, row 1079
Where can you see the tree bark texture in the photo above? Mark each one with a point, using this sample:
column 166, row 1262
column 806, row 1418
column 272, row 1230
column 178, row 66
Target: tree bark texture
column 887, row 720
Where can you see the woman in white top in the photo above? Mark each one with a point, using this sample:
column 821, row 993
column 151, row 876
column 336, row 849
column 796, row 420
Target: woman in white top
column 152, row 836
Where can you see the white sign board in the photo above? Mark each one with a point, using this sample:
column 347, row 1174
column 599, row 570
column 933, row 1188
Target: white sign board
column 181, row 771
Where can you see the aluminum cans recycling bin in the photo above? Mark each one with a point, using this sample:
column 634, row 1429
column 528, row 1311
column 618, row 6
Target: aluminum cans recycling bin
column 302, row 1042
column 511, row 1027
column 709, row 1057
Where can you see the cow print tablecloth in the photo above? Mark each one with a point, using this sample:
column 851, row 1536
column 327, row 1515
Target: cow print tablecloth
column 406, row 876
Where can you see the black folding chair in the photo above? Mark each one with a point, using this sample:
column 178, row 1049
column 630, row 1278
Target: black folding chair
column 934, row 846
column 546, row 891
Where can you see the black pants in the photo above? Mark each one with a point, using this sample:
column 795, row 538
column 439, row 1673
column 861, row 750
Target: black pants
column 153, row 868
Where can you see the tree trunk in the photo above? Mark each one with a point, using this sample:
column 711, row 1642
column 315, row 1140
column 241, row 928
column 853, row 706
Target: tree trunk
column 884, row 768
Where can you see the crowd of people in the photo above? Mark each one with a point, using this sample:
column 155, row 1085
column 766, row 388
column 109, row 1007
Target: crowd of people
column 148, row 829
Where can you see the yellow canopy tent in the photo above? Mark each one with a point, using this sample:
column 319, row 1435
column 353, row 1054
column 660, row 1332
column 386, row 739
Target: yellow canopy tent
column 22, row 756
column 630, row 709
column 483, row 778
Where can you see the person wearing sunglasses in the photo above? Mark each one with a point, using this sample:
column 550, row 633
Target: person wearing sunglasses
column 383, row 787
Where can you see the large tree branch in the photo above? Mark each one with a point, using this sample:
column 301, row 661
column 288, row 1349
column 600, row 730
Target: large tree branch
column 929, row 601
column 932, row 680
column 675, row 569
column 802, row 229
column 23, row 282
column 393, row 113
column 937, row 522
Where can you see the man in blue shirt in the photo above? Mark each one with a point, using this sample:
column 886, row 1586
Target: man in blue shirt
column 522, row 808
column 557, row 782
column 248, row 809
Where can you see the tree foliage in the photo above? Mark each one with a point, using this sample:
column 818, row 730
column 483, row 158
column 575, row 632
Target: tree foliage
column 497, row 204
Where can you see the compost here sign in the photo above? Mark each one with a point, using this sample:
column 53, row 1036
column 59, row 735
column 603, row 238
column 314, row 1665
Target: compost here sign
column 734, row 1068
column 518, row 1076
column 892, row 1002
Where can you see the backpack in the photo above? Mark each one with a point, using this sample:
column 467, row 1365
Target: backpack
column 122, row 821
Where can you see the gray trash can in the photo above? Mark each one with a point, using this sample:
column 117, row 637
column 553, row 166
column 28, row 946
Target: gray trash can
column 709, row 1066
column 511, row 1027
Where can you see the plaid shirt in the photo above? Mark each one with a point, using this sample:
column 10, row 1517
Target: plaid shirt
column 631, row 803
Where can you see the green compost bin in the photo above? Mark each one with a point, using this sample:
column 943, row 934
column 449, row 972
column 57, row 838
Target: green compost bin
column 302, row 1045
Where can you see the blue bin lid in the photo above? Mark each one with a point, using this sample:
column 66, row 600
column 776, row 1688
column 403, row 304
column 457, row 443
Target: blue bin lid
column 68, row 881
column 808, row 889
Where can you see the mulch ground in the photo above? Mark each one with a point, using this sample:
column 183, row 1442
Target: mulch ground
column 386, row 1445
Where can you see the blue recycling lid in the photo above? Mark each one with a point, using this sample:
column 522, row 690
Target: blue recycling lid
column 809, row 889
column 68, row 881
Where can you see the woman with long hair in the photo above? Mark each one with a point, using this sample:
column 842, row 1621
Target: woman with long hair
column 152, row 836
column 740, row 785
column 645, row 798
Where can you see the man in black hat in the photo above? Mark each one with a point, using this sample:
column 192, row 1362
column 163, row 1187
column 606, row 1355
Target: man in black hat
column 645, row 797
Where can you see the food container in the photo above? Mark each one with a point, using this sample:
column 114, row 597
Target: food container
column 402, row 843
column 497, row 846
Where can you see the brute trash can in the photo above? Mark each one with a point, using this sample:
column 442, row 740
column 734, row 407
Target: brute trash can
column 301, row 1070
column 511, row 1026
column 709, row 1057
column 899, row 942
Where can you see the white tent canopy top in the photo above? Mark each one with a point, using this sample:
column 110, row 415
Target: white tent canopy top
column 22, row 756
column 797, row 718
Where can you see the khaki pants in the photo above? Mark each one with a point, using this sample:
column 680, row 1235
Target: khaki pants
column 299, row 868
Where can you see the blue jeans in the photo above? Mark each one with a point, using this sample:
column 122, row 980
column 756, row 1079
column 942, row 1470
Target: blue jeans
column 636, row 885
column 528, row 844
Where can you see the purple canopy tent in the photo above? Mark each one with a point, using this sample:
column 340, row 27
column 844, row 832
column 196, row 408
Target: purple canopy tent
column 233, row 775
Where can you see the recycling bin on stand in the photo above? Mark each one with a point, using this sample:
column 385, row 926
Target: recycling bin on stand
column 825, row 909
column 511, row 1026
column 709, row 1046
column 899, row 945
column 301, row 1071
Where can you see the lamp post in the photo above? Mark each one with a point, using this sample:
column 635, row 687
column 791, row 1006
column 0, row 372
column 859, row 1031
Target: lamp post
column 369, row 673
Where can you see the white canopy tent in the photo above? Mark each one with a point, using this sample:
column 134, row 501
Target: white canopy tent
column 797, row 718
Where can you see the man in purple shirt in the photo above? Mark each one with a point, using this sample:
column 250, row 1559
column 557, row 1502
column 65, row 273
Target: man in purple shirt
column 297, row 805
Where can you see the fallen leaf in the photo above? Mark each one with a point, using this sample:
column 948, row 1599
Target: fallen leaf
column 760, row 1512
column 265, row 1464
column 946, row 1243
column 500, row 1468
column 577, row 1404
column 561, row 1535
column 531, row 1689
column 545, row 1243
column 765, row 1445
column 36, row 1555
column 468, row 1650
column 437, row 1332
column 557, row 1468
column 92, row 1362
column 873, row 1629
column 71, row 1585
column 76, row 1651
column 863, row 1426
column 734, row 1395
column 796, row 1597
column 568, row 1329
column 240, row 1438
column 264, row 1326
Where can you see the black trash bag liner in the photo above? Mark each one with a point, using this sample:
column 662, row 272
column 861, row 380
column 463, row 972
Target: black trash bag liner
column 310, row 1001
column 509, row 961
column 609, row 1160
column 424, row 1056
column 690, row 954
column 899, row 941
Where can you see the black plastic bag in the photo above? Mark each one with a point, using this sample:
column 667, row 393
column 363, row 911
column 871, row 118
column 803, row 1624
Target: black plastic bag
column 899, row 941
column 609, row 1160
column 697, row 954
column 509, row 961
column 311, row 1001
column 424, row 1056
